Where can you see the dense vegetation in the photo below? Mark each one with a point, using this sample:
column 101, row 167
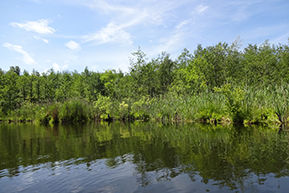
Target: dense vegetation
column 219, row 83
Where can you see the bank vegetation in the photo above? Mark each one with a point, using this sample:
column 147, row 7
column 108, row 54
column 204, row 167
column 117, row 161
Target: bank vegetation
column 217, row 84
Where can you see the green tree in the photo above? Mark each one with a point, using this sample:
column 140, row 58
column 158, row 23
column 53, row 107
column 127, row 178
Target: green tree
column 136, row 62
column 91, row 85
column 37, row 84
column 165, row 72
column 10, row 91
column 23, row 87
column 63, row 92
column 184, row 59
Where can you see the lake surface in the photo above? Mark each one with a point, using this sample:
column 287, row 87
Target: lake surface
column 142, row 157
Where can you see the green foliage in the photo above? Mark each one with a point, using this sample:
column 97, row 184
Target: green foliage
column 43, row 116
column 281, row 102
column 234, row 100
column 108, row 78
column 160, row 88
column 141, row 108
column 103, row 106
column 209, row 107
column 74, row 111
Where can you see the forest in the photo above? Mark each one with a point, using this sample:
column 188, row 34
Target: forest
column 218, row 84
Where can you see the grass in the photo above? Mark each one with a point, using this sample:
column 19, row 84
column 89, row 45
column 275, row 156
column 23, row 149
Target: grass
column 70, row 111
column 228, row 104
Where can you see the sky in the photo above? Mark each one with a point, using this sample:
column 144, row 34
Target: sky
column 69, row 35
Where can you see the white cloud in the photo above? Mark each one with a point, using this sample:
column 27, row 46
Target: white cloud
column 105, row 7
column 182, row 24
column 169, row 44
column 42, row 39
column 110, row 33
column 26, row 58
column 95, row 68
column 56, row 67
column 73, row 45
column 126, row 18
column 175, row 40
column 44, row 71
column 201, row 8
column 40, row 26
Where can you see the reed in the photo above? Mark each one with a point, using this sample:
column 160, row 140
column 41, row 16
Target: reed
column 229, row 103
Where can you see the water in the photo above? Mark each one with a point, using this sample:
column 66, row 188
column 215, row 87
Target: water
column 142, row 157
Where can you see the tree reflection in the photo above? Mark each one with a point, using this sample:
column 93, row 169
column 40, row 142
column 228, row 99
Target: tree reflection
column 223, row 156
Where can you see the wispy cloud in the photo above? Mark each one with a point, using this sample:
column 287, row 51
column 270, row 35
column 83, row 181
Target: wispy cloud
column 74, row 46
column 124, row 19
column 26, row 58
column 169, row 44
column 282, row 38
column 263, row 32
column 201, row 8
column 105, row 7
column 40, row 26
column 155, row 25
column 42, row 39
column 57, row 67
column 174, row 42
column 182, row 24
column 110, row 33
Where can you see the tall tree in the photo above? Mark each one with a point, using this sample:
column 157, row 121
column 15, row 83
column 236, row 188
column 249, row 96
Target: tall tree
column 36, row 86
column 165, row 72
column 23, row 87
column 10, row 91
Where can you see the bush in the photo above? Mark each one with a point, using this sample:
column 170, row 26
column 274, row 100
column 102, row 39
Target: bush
column 235, row 104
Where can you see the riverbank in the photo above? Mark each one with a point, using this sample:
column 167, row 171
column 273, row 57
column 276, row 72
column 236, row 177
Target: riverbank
column 218, row 84
column 227, row 105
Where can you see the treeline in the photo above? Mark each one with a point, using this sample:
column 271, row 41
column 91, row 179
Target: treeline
column 222, row 81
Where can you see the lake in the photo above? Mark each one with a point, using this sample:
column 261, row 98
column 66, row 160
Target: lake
column 142, row 157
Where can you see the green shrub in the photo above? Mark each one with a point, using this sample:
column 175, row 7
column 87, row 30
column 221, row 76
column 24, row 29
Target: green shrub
column 235, row 104
column 103, row 107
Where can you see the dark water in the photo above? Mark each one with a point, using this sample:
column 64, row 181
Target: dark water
column 142, row 157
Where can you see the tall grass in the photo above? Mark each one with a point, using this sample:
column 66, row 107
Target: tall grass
column 76, row 110
column 263, row 104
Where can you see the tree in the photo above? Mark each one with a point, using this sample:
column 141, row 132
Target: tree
column 108, row 78
column 10, row 92
column 136, row 62
column 37, row 84
column 260, row 63
column 63, row 92
column 23, row 87
column 184, row 59
column 165, row 72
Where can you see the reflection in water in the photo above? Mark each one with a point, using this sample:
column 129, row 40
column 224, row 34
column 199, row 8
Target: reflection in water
column 142, row 157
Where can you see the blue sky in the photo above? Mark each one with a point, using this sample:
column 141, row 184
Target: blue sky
column 102, row 34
